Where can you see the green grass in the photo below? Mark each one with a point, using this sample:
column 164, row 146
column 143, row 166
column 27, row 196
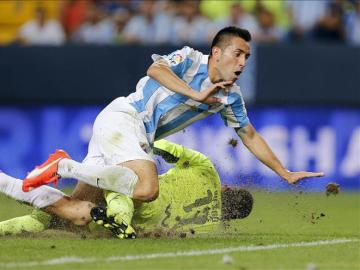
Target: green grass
column 276, row 218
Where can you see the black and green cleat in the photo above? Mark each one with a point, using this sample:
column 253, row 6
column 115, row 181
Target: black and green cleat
column 114, row 223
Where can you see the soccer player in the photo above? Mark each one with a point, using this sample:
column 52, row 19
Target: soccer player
column 190, row 197
column 180, row 88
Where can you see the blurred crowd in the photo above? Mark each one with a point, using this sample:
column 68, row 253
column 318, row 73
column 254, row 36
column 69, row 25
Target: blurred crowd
column 178, row 22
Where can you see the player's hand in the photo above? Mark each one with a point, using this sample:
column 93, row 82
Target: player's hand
column 207, row 97
column 293, row 177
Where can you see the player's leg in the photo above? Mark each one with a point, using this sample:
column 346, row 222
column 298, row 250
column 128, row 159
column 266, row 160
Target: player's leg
column 40, row 197
column 47, row 199
column 120, row 138
column 117, row 215
column 147, row 185
column 137, row 178
column 52, row 200
column 120, row 208
column 126, row 166
column 119, row 204
column 112, row 177
column 36, row 222
column 104, row 177
column 118, row 158
column 85, row 192
column 74, row 210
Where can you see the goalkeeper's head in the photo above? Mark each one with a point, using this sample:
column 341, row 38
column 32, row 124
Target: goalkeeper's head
column 236, row 203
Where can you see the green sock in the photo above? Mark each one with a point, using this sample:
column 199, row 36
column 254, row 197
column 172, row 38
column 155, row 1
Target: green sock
column 119, row 204
column 41, row 216
column 37, row 221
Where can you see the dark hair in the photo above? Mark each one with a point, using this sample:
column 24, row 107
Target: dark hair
column 224, row 34
column 236, row 203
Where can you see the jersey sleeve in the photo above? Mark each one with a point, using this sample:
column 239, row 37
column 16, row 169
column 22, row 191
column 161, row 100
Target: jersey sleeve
column 234, row 113
column 181, row 155
column 179, row 61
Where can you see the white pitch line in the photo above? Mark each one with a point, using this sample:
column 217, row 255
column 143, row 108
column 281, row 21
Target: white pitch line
column 191, row 253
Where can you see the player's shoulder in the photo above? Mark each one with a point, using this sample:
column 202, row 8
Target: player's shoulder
column 189, row 50
column 180, row 55
column 189, row 53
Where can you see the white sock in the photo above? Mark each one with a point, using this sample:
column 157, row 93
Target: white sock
column 39, row 197
column 115, row 178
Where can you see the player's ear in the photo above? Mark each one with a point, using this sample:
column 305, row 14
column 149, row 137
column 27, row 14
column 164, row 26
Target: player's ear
column 216, row 52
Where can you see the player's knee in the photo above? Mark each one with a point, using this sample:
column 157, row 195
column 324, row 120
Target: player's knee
column 80, row 214
column 81, row 221
column 147, row 194
column 153, row 195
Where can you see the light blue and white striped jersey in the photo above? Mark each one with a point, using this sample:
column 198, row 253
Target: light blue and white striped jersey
column 165, row 112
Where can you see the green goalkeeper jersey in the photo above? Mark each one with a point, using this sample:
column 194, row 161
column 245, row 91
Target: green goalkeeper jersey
column 190, row 194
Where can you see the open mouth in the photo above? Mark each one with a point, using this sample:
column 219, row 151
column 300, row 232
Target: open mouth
column 237, row 73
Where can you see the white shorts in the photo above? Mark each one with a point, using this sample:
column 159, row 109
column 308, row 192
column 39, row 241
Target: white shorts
column 119, row 135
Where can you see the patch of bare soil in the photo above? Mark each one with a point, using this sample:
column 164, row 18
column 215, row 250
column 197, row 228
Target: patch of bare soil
column 233, row 142
column 332, row 188
column 166, row 233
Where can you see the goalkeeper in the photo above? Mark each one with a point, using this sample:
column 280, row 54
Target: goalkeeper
column 190, row 197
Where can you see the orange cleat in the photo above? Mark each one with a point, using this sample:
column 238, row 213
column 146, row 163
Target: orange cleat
column 45, row 173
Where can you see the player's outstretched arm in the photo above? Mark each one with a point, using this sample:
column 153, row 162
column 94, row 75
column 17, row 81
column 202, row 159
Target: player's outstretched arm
column 162, row 73
column 182, row 156
column 257, row 145
column 170, row 152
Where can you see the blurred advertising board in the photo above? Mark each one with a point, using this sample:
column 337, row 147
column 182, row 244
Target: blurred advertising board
column 304, row 138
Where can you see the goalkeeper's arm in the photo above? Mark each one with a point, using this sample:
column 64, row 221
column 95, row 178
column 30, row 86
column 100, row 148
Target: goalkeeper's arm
column 175, row 153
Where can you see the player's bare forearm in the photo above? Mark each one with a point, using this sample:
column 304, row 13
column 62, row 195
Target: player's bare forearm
column 257, row 145
column 163, row 74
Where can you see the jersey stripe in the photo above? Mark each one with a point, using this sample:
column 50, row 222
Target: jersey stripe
column 164, row 112
column 237, row 106
column 199, row 78
column 181, row 68
column 149, row 89
column 179, row 123
column 160, row 109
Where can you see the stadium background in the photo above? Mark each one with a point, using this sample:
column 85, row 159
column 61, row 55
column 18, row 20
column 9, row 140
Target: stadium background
column 301, row 85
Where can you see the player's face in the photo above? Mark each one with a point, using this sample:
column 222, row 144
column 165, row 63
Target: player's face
column 232, row 59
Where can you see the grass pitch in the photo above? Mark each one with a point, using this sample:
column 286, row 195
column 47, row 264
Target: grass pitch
column 264, row 240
